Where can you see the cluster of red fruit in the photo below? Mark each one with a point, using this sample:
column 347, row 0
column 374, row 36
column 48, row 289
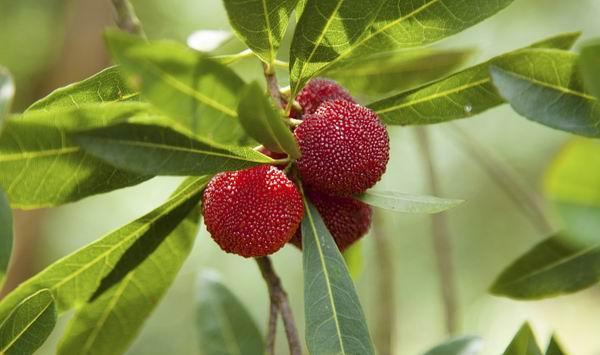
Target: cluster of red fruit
column 345, row 150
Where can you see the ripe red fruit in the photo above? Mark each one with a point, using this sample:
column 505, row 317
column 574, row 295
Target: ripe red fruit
column 345, row 148
column 318, row 91
column 347, row 219
column 252, row 212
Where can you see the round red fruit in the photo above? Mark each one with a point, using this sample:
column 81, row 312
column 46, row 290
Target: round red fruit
column 252, row 212
column 318, row 91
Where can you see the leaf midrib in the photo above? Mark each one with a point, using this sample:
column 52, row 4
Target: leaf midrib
column 38, row 154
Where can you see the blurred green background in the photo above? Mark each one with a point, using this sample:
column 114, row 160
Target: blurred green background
column 47, row 44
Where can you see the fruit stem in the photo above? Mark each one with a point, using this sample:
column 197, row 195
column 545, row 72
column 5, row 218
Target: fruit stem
column 126, row 19
column 294, row 122
column 272, row 330
column 272, row 85
column 279, row 297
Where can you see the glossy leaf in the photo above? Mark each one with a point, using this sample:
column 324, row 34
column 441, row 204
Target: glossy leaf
column 6, row 236
column 260, row 24
column 406, row 203
column 554, row 347
column 265, row 123
column 7, row 93
column 158, row 150
column 106, row 86
column 335, row 322
column 589, row 64
column 41, row 167
column 330, row 31
column 223, row 324
column 467, row 345
column 26, row 328
column 390, row 72
column 109, row 323
column 544, row 86
column 460, row 95
column 523, row 343
column 201, row 94
column 76, row 277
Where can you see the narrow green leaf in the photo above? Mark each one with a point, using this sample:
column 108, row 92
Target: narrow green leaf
column 26, row 328
column 265, row 123
column 406, row 203
column 330, row 31
column 6, row 236
column 261, row 24
column 589, row 64
column 523, row 343
column 355, row 261
column 41, row 167
column 108, row 324
column 105, row 86
column 544, row 86
column 389, row 72
column 554, row 347
column 158, row 150
column 460, row 95
column 468, row 345
column 75, row 278
column 223, row 324
column 201, row 94
column 7, row 93
column 335, row 322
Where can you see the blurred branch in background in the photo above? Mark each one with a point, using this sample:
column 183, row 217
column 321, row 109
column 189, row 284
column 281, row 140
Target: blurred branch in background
column 126, row 19
column 441, row 238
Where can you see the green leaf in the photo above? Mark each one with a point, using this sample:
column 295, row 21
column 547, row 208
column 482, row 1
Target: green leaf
column 265, row 123
column 460, row 95
column 335, row 322
column 7, row 93
column 467, row 345
column 330, row 31
column 544, row 86
column 28, row 325
column 199, row 93
column 355, row 261
column 41, row 167
column 158, row 150
column 76, row 277
column 300, row 8
column 223, row 324
column 400, row 202
column 523, row 343
column 388, row 72
column 109, row 323
column 105, row 86
column 6, row 236
column 554, row 347
column 589, row 64
column 260, row 24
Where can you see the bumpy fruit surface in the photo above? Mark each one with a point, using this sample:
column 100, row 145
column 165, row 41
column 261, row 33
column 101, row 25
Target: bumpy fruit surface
column 252, row 212
column 345, row 148
column 319, row 91
column 347, row 219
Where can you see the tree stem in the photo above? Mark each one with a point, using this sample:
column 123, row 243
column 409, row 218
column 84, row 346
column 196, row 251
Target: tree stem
column 272, row 329
column 278, row 295
column 441, row 239
column 126, row 18
column 272, row 85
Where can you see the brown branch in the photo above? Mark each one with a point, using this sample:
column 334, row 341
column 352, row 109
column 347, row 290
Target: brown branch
column 272, row 85
column 272, row 329
column 441, row 239
column 126, row 19
column 278, row 295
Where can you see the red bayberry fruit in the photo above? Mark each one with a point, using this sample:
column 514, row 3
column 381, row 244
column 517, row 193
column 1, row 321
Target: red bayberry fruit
column 347, row 219
column 345, row 148
column 252, row 212
column 318, row 91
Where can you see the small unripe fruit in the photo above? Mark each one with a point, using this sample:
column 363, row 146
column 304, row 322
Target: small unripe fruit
column 252, row 212
column 347, row 219
column 345, row 148
column 319, row 91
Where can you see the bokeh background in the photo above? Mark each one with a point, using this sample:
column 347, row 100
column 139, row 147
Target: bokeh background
column 50, row 43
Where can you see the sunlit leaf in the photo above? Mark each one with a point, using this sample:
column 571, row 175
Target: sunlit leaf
column 544, row 85
column 201, row 94
column 467, row 345
column 6, row 236
column 554, row 347
column 335, row 322
column 589, row 64
column 108, row 324
column 406, row 203
column 460, row 95
column 26, row 328
column 265, row 123
column 523, row 343
column 355, row 261
column 261, row 24
column 7, row 93
column 158, row 150
column 223, row 324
